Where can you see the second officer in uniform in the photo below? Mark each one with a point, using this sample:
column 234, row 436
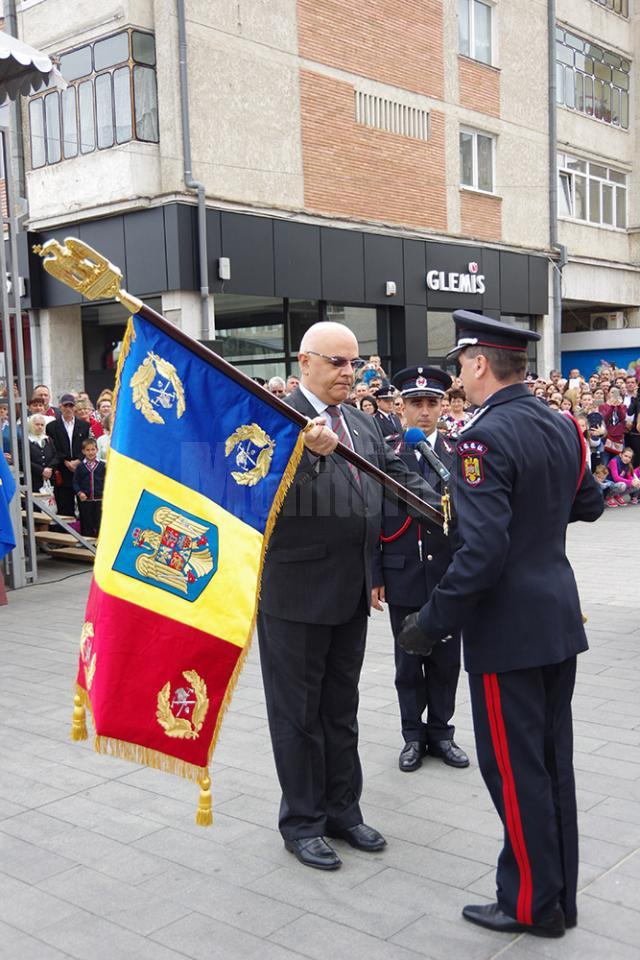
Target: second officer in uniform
column 411, row 559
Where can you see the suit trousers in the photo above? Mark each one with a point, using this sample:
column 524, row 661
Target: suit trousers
column 425, row 683
column 65, row 500
column 311, row 674
column 524, row 739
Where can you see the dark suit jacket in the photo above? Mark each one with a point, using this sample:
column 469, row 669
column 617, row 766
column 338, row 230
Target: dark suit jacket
column 409, row 580
column 57, row 431
column 510, row 586
column 319, row 559
column 389, row 425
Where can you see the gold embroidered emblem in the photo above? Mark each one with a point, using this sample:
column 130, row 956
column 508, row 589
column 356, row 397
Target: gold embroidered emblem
column 179, row 554
column 182, row 714
column 87, row 655
column 253, row 454
column 156, row 384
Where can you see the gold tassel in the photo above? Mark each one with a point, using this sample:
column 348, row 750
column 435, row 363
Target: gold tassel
column 79, row 722
column 204, row 815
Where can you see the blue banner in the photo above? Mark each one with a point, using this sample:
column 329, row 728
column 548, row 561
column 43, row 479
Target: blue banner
column 7, row 490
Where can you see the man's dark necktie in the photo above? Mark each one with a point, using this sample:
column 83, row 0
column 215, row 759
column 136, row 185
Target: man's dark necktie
column 340, row 431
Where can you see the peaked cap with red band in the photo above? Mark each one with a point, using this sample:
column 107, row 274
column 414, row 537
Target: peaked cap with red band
column 473, row 329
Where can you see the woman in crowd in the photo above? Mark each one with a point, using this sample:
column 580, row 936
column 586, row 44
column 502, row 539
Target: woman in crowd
column 369, row 405
column 398, row 409
column 457, row 416
column 614, row 414
column 621, row 469
column 42, row 451
column 104, row 441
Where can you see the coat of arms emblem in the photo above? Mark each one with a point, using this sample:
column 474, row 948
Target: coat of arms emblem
column 253, row 453
column 472, row 453
column 171, row 550
column 156, row 386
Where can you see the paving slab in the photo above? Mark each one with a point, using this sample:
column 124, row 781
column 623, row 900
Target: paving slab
column 100, row 858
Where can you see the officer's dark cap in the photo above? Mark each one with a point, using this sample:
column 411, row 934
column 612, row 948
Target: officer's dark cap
column 422, row 382
column 473, row 329
column 385, row 392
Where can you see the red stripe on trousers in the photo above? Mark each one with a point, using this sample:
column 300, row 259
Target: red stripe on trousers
column 510, row 797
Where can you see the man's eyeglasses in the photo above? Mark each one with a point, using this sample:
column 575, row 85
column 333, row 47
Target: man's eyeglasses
column 356, row 363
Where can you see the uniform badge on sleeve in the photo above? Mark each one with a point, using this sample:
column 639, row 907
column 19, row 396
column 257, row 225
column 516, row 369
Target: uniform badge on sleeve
column 472, row 453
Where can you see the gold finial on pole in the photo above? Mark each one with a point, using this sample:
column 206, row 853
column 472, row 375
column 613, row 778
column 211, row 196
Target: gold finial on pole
column 84, row 269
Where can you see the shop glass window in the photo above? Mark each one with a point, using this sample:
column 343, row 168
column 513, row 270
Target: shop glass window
column 592, row 80
column 591, row 192
column 111, row 99
column 474, row 29
column 477, row 160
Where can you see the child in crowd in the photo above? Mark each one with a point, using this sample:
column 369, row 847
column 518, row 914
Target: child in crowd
column 622, row 472
column 88, row 483
column 612, row 492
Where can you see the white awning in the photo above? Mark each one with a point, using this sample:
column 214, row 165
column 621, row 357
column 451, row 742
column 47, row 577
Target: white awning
column 24, row 70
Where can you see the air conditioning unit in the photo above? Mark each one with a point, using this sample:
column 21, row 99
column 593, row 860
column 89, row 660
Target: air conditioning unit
column 608, row 321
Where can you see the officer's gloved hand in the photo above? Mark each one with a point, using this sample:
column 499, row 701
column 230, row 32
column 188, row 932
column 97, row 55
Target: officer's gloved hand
column 412, row 639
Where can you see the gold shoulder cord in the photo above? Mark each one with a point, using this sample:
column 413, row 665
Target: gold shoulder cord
column 446, row 510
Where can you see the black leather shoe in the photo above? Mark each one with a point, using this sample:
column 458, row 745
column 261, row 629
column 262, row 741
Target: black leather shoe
column 314, row 852
column 449, row 752
column 411, row 756
column 491, row 916
column 361, row 837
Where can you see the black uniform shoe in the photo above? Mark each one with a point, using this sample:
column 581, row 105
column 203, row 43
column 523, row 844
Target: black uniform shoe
column 361, row 837
column 491, row 916
column 449, row 752
column 314, row 852
column 411, row 756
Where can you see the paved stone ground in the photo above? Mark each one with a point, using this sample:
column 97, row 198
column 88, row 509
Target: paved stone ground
column 101, row 859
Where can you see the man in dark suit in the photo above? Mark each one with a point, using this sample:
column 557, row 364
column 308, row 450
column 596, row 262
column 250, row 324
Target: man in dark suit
column 411, row 559
column 315, row 596
column 68, row 434
column 390, row 422
column 520, row 479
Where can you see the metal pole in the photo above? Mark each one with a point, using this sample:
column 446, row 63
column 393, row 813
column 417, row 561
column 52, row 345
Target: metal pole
column 556, row 266
column 188, row 174
column 16, row 312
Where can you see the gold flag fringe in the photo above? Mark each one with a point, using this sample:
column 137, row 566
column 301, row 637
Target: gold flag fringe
column 136, row 753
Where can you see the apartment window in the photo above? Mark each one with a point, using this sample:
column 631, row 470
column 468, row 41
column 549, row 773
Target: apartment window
column 474, row 36
column 591, row 192
column 618, row 6
column 477, row 160
column 592, row 79
column 111, row 99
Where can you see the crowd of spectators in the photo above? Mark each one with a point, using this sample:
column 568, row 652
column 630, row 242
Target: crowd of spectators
column 606, row 405
column 68, row 447
column 68, row 444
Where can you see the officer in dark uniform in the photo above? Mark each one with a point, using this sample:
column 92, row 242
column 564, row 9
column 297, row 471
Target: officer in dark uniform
column 520, row 479
column 389, row 421
column 411, row 559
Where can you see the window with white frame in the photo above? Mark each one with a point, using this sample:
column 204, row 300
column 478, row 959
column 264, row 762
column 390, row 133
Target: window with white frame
column 111, row 98
column 591, row 192
column 474, row 29
column 592, row 79
column 477, row 152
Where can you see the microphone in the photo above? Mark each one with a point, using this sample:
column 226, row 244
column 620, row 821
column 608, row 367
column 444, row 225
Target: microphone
column 416, row 438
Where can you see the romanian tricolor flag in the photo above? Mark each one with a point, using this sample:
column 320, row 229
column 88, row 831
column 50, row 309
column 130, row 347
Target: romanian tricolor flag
column 197, row 471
